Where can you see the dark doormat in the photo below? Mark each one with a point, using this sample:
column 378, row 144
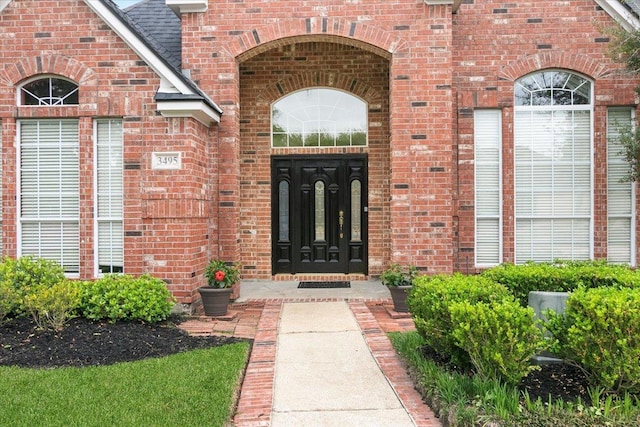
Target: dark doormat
column 323, row 285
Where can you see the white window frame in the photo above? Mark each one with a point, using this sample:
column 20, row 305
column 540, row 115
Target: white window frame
column 43, row 219
column 105, row 219
column 543, row 108
column 311, row 122
column 496, row 116
column 613, row 158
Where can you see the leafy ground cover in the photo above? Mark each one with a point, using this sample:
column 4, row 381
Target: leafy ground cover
column 167, row 378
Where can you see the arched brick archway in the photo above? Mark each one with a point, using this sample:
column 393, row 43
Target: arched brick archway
column 275, row 69
column 556, row 59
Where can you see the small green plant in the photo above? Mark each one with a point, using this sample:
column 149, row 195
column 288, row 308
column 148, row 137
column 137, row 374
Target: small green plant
column 500, row 338
column 52, row 306
column 18, row 276
column 399, row 275
column 430, row 304
column 221, row 274
column 600, row 331
column 124, row 297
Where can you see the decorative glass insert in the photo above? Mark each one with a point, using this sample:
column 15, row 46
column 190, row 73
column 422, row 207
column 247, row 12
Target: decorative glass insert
column 552, row 88
column 49, row 91
column 319, row 117
column 319, row 210
column 356, row 219
column 283, row 209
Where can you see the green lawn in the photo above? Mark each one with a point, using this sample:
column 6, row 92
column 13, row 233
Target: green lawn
column 188, row 389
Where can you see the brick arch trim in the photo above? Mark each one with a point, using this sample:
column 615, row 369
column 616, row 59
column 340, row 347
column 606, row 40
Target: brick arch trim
column 566, row 60
column 348, row 83
column 287, row 31
column 49, row 64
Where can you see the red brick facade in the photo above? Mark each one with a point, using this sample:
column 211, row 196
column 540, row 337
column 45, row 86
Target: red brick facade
column 422, row 69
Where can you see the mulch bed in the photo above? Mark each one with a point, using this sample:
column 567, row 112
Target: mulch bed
column 558, row 380
column 87, row 343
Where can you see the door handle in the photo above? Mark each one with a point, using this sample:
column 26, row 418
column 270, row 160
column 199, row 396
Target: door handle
column 341, row 222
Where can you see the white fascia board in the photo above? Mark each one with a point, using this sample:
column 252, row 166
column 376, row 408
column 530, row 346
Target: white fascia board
column 3, row 4
column 187, row 6
column 198, row 110
column 132, row 40
column 621, row 14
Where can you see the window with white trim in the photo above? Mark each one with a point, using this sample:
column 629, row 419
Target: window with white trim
column 49, row 91
column 109, row 238
column 620, row 194
column 487, row 137
column 49, row 191
column 319, row 117
column 553, row 168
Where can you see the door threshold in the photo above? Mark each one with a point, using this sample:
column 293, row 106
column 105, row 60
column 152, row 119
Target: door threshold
column 318, row 277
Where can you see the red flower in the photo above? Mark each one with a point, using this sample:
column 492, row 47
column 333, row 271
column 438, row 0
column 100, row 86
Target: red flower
column 219, row 276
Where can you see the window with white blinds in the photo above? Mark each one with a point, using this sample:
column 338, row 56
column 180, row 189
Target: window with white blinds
column 109, row 239
column 487, row 136
column 553, row 182
column 620, row 194
column 49, row 202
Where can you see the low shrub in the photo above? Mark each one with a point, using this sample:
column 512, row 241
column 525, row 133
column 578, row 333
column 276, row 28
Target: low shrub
column 9, row 300
column 560, row 276
column 18, row 276
column 600, row 330
column 124, row 297
column 500, row 337
column 52, row 306
column 430, row 300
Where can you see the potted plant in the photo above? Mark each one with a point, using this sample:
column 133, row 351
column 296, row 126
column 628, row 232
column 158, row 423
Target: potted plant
column 221, row 276
column 399, row 280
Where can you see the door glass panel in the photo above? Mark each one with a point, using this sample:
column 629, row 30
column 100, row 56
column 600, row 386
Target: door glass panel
column 356, row 218
column 283, row 210
column 319, row 210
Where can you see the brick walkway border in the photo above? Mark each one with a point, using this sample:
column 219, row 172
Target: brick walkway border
column 259, row 320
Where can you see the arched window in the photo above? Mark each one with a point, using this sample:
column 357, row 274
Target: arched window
column 49, row 91
column 319, row 117
column 553, row 167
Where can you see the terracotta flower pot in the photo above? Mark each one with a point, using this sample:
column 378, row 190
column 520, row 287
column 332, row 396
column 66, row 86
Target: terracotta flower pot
column 215, row 301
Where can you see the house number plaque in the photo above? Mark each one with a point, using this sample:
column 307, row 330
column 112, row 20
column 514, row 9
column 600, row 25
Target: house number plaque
column 172, row 160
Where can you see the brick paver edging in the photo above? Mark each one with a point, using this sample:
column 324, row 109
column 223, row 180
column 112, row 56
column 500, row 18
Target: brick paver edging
column 256, row 396
column 393, row 367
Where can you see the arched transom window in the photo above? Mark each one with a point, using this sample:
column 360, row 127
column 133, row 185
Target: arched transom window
column 553, row 167
column 319, row 117
column 49, row 91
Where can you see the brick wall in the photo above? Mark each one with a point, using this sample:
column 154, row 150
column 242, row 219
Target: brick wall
column 240, row 52
column 168, row 221
column 495, row 44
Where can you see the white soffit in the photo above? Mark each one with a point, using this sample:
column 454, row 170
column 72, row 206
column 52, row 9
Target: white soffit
column 186, row 6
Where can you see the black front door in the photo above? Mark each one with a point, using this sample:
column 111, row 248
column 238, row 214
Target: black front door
column 319, row 220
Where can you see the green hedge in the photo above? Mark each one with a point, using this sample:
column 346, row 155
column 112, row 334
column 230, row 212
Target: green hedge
column 430, row 303
column 124, row 297
column 560, row 276
column 500, row 337
column 600, row 330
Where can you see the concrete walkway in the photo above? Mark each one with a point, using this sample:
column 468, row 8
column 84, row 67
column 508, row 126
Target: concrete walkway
column 325, row 375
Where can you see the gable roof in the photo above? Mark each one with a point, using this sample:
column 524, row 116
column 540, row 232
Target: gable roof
column 177, row 96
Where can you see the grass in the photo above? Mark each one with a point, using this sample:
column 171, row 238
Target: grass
column 470, row 401
column 186, row 389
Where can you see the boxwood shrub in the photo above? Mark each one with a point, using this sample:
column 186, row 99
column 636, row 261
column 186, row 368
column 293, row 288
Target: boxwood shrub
column 18, row 277
column 430, row 303
column 560, row 276
column 600, row 330
column 500, row 337
column 125, row 297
